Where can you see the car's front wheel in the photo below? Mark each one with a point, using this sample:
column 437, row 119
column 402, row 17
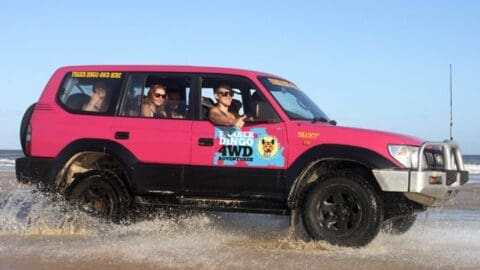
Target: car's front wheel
column 343, row 210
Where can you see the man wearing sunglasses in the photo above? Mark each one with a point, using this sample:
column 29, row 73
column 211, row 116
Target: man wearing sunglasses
column 219, row 114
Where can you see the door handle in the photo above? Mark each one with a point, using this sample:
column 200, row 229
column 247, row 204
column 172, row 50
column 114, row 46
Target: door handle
column 122, row 135
column 205, row 141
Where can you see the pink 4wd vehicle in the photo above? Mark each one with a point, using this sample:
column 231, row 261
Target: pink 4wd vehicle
column 289, row 158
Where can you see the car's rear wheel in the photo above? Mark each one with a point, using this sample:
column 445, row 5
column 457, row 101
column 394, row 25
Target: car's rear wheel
column 100, row 194
column 343, row 210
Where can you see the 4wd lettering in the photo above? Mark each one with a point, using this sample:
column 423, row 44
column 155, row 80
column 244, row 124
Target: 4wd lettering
column 236, row 153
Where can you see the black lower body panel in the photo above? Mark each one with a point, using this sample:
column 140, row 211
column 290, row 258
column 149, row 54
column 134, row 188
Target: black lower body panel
column 216, row 204
column 35, row 171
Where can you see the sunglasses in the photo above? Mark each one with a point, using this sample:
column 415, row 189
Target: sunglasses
column 226, row 93
column 160, row 95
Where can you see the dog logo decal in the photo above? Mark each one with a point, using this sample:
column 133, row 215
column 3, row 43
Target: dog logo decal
column 268, row 147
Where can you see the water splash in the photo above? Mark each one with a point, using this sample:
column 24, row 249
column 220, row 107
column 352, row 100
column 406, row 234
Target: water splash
column 40, row 227
column 29, row 213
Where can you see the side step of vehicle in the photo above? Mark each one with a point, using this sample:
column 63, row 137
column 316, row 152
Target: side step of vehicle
column 215, row 204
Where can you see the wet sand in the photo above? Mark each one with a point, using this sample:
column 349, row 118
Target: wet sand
column 37, row 233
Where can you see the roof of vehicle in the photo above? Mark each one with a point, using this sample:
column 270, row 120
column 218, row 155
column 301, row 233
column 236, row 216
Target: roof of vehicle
column 167, row 68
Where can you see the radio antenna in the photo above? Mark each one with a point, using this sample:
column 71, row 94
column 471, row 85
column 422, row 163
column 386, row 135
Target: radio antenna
column 451, row 105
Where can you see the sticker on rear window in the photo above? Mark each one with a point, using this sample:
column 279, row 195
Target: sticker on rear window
column 97, row 74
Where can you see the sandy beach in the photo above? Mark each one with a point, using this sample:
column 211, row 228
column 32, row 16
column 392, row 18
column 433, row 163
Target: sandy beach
column 38, row 233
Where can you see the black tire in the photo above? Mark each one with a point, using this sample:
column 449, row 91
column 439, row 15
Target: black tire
column 399, row 225
column 24, row 126
column 100, row 194
column 344, row 210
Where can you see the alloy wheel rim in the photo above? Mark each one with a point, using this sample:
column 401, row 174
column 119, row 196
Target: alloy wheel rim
column 96, row 200
column 339, row 211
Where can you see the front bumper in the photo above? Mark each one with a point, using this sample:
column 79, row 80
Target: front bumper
column 423, row 185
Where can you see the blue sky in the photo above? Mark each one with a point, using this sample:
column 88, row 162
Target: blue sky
column 373, row 64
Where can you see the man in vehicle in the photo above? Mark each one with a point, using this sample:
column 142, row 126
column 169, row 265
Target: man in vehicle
column 219, row 114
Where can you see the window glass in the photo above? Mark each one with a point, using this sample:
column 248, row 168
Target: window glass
column 157, row 96
column 134, row 96
column 296, row 104
column 91, row 92
column 208, row 101
column 247, row 99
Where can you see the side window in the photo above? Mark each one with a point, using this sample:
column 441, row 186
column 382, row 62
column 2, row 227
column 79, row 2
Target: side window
column 208, row 101
column 247, row 99
column 133, row 96
column 261, row 108
column 157, row 96
column 91, row 92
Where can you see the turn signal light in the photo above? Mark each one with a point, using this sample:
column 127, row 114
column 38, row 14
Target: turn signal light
column 435, row 180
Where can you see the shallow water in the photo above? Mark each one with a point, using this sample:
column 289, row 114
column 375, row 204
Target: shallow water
column 39, row 231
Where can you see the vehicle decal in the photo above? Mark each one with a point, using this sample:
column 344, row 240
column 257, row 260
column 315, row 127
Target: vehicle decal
column 307, row 135
column 267, row 147
column 254, row 147
column 279, row 82
column 97, row 74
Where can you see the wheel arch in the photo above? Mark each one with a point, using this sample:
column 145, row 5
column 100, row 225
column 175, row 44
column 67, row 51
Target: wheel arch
column 319, row 160
column 87, row 152
column 27, row 116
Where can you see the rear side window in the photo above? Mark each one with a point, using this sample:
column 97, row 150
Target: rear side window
column 157, row 95
column 91, row 92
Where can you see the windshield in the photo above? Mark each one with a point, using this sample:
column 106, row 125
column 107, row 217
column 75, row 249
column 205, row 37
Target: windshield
column 294, row 102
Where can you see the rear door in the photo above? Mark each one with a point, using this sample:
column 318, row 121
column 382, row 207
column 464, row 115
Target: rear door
column 162, row 145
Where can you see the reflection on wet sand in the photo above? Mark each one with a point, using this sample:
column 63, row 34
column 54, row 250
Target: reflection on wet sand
column 39, row 231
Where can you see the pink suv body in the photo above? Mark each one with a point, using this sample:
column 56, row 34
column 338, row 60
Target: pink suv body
column 289, row 158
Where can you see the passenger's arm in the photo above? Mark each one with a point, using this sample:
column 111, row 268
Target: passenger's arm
column 94, row 104
column 219, row 118
column 146, row 112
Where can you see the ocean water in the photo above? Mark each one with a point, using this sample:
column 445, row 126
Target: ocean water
column 472, row 164
column 7, row 159
column 41, row 231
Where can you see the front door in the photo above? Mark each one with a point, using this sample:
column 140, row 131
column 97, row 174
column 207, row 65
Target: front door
column 231, row 162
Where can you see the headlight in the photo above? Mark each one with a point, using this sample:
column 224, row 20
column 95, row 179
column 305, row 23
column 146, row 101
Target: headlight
column 406, row 155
